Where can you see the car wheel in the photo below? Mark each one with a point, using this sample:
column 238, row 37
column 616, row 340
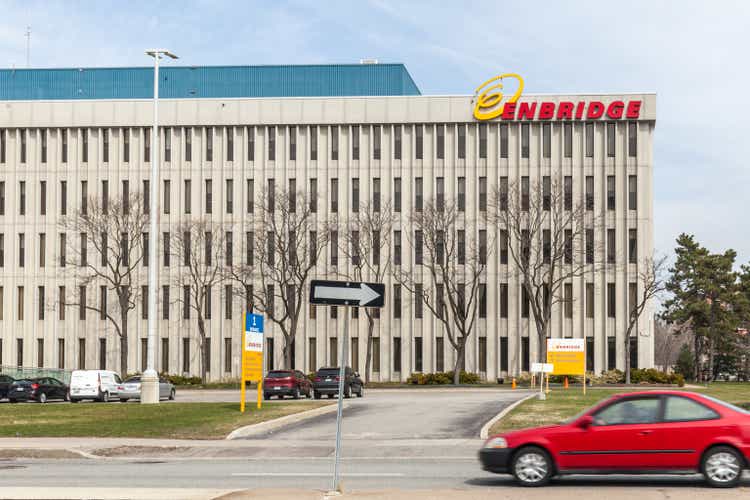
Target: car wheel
column 531, row 466
column 74, row 400
column 13, row 400
column 123, row 400
column 295, row 395
column 266, row 397
column 316, row 394
column 348, row 391
column 722, row 467
column 42, row 398
column 105, row 398
column 361, row 392
column 172, row 395
column 66, row 397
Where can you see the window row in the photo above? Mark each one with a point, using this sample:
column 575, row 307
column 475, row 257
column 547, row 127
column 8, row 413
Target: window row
column 355, row 194
column 230, row 135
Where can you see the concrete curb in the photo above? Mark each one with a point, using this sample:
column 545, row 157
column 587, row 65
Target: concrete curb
column 269, row 425
column 484, row 433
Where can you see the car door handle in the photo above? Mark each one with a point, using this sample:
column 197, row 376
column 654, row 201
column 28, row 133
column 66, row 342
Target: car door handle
column 645, row 433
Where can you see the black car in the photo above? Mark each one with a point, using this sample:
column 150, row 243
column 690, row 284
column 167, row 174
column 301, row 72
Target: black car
column 5, row 381
column 40, row 389
column 327, row 382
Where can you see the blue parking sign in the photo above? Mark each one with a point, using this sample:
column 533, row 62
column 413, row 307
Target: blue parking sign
column 254, row 323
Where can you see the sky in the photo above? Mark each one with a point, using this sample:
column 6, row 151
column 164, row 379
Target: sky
column 694, row 55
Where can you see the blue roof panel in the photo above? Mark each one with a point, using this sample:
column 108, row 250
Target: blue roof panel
column 180, row 82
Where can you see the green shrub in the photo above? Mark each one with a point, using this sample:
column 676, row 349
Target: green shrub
column 442, row 378
column 181, row 380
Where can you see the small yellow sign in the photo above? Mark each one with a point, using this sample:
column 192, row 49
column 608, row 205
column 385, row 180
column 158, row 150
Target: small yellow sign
column 568, row 356
column 252, row 356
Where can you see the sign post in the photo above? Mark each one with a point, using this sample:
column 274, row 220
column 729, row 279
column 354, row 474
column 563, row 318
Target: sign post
column 568, row 357
column 346, row 294
column 252, row 356
column 542, row 369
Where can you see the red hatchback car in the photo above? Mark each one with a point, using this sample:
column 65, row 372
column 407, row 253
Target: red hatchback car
column 672, row 432
column 282, row 383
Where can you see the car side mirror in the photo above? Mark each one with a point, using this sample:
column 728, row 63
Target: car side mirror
column 585, row 422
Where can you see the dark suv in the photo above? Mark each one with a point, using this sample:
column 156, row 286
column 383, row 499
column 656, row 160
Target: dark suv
column 327, row 382
column 286, row 383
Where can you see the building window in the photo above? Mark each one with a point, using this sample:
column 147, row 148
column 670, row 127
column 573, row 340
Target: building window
column 611, row 139
column 440, row 193
column 271, row 192
column 333, row 351
column 611, row 300
column 334, row 248
column 334, row 195
column 207, row 305
column 376, row 142
column 228, row 355
column 589, row 354
column 503, row 246
column 633, row 192
column 440, row 140
column 482, row 246
column 568, row 192
column 229, row 188
column 610, row 192
column 482, row 140
column 525, row 140
column 632, row 299
column 547, row 140
column 312, row 354
column 40, row 302
column 313, row 143
column 209, row 144
column 461, row 194
column 102, row 302
column 503, row 354
column 503, row 300
column 482, row 354
column 589, row 192
column 355, row 143
column 418, row 301
column 397, row 354
column 418, row 247
column 61, row 353
column 525, row 355
column 632, row 246
column 186, row 355
column 418, row 194
column 292, row 143
column 126, row 197
column 589, row 140
column 209, row 196
column 396, row 301
column 568, row 246
column 185, row 301
column 60, row 303
column 230, row 142
column 483, row 194
column 2, row 250
column 589, row 246
column 250, row 248
column 611, row 353
column 228, row 240
column 546, row 192
column 22, row 197
column 167, row 144
column 334, row 142
column 81, row 354
column 146, row 144
column 611, row 251
column 503, row 140
column 102, row 353
column 376, row 194
column 418, row 354
column 355, row 194
column 43, row 140
column 167, row 196
column 397, row 194
column 568, row 139
column 524, row 302
column 188, row 133
column 22, row 249
column 125, row 145
column 632, row 139
column 165, row 302
column 22, row 133
column 19, row 352
column 419, row 141
column 482, row 300
column 568, row 298
column 525, row 193
column 396, row 248
column 589, row 300
column 165, row 355
column 187, row 199
column 2, row 149
column 461, row 141
column 546, row 246
column 2, row 197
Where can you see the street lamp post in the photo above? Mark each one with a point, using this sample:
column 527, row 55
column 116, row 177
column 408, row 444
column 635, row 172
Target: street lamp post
column 150, row 379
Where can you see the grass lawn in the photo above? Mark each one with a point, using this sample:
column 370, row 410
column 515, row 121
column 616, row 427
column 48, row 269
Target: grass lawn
column 562, row 404
column 167, row 420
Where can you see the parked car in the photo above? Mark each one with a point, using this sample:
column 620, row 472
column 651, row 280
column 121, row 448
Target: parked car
column 98, row 385
column 286, row 383
column 131, row 389
column 40, row 389
column 5, row 382
column 327, row 382
column 642, row 432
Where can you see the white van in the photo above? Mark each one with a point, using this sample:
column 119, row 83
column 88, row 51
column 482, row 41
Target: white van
column 99, row 385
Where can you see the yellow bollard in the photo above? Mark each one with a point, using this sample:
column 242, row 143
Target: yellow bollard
column 514, row 385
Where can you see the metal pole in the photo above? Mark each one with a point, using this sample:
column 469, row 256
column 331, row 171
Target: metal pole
column 149, row 386
column 342, row 376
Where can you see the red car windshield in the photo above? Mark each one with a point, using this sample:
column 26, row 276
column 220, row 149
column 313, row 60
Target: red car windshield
column 279, row 374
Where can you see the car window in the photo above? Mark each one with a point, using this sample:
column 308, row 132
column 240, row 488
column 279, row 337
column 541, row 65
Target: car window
column 629, row 411
column 133, row 380
column 118, row 379
column 328, row 372
column 726, row 405
column 279, row 374
column 680, row 409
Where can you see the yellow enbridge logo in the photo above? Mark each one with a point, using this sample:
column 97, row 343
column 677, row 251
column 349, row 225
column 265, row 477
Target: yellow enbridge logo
column 488, row 98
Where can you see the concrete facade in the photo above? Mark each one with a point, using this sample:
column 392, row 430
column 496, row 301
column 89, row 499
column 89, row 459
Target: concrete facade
column 249, row 121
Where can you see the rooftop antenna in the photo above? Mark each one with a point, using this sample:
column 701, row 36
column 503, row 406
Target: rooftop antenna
column 28, row 46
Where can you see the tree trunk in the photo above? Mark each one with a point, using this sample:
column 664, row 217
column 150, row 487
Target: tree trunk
column 541, row 348
column 123, row 336
column 368, row 357
column 627, row 360
column 459, row 365
column 288, row 350
column 204, row 351
column 697, row 355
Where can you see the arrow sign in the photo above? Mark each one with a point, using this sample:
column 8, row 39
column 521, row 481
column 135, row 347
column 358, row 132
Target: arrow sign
column 347, row 293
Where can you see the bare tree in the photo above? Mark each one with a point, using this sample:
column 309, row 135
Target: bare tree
column 367, row 247
column 201, row 250
column 544, row 233
column 105, row 239
column 668, row 340
column 283, row 251
column 454, row 260
column 651, row 283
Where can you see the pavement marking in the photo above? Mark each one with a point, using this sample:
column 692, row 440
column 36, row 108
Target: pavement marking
column 318, row 474
column 484, row 433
